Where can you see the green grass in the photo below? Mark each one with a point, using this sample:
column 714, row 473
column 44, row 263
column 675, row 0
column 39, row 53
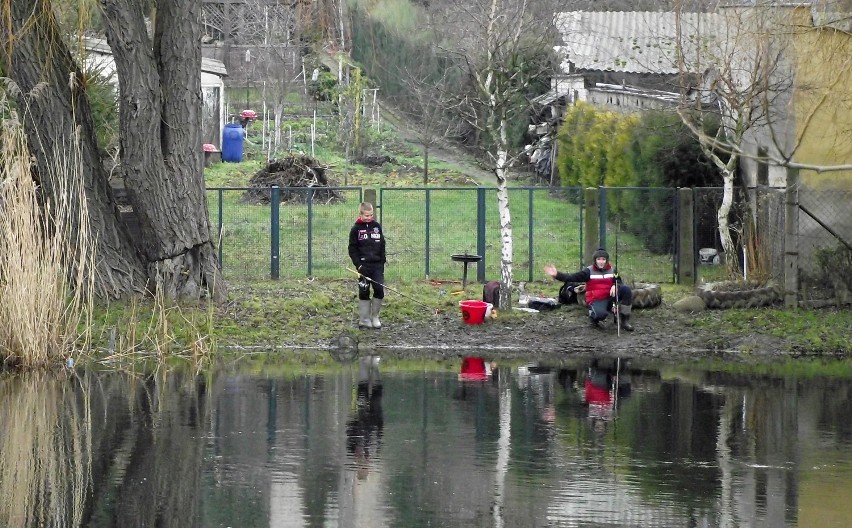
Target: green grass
column 813, row 330
column 416, row 248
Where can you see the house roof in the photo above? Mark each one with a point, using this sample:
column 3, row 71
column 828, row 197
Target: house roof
column 101, row 47
column 633, row 41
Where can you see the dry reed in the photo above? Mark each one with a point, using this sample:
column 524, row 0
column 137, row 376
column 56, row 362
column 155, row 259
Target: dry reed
column 46, row 256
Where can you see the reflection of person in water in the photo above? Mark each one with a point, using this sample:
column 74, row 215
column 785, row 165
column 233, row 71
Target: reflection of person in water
column 364, row 429
column 602, row 387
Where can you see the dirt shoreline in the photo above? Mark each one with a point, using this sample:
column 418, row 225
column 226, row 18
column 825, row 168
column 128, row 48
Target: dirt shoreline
column 661, row 333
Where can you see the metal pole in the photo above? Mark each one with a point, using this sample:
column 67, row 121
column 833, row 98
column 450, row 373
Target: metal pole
column 274, row 203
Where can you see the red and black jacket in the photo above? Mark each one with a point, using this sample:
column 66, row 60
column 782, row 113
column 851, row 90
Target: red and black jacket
column 598, row 281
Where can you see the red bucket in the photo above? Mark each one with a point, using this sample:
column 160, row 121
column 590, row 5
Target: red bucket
column 473, row 312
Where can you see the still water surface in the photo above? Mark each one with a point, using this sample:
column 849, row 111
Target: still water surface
column 587, row 442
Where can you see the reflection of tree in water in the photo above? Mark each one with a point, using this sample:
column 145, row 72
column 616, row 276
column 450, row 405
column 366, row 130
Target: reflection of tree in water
column 364, row 429
column 140, row 442
column 45, row 450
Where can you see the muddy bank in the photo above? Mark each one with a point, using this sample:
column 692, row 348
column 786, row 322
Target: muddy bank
column 659, row 333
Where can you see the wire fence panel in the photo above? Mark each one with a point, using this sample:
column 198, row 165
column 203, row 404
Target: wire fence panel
column 767, row 246
column 709, row 257
column 243, row 230
column 640, row 232
column 825, row 244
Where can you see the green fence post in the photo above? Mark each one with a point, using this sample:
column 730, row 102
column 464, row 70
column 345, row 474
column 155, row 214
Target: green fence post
column 221, row 239
column 274, row 227
column 480, row 233
column 428, row 214
column 530, row 237
column 310, row 204
column 602, row 216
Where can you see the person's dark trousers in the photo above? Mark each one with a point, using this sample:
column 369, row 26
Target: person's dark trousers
column 625, row 304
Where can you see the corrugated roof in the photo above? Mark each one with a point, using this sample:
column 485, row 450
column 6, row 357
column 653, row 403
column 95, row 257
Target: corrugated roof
column 633, row 41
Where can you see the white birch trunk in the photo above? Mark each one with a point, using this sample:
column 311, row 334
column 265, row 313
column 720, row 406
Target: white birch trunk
column 723, row 217
column 506, row 250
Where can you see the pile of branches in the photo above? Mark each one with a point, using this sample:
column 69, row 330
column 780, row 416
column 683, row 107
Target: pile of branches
column 293, row 175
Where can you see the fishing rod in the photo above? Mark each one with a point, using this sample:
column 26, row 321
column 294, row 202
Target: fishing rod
column 615, row 283
column 360, row 275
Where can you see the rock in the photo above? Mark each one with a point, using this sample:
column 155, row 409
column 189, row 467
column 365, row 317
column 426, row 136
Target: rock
column 692, row 303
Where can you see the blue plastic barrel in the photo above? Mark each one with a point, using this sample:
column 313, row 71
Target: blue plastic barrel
column 232, row 143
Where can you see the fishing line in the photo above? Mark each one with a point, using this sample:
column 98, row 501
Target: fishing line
column 391, row 289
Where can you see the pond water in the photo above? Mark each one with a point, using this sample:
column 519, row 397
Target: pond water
column 458, row 442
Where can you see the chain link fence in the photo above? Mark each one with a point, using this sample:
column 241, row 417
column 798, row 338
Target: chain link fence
column 760, row 230
column 825, row 245
column 306, row 235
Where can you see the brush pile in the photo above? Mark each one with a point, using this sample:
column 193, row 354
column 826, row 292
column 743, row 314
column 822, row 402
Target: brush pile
column 295, row 176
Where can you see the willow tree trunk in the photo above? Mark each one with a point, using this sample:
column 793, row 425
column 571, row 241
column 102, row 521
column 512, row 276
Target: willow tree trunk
column 160, row 123
column 161, row 157
column 55, row 112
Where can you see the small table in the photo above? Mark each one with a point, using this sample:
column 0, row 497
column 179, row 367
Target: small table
column 466, row 259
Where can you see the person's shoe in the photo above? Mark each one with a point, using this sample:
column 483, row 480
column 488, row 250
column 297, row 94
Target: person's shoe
column 625, row 325
column 375, row 308
column 596, row 324
column 364, row 318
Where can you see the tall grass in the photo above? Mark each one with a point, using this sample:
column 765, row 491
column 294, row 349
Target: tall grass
column 46, row 255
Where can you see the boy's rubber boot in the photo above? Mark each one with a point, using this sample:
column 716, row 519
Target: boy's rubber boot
column 376, row 307
column 624, row 318
column 364, row 320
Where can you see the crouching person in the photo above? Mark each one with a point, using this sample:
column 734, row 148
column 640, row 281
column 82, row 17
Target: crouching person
column 603, row 287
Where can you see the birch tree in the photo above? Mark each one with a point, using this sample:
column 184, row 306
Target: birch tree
column 745, row 81
column 507, row 49
column 759, row 79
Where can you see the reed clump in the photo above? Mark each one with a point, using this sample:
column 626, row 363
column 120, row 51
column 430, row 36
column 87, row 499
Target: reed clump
column 46, row 255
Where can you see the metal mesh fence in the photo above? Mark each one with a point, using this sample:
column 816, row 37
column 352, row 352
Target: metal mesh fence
column 312, row 231
column 825, row 244
column 424, row 227
column 307, row 234
column 709, row 257
column 640, row 232
column 766, row 246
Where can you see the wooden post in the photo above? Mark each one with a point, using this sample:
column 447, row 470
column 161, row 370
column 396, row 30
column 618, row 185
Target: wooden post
column 591, row 213
column 370, row 197
column 685, row 237
column 791, row 240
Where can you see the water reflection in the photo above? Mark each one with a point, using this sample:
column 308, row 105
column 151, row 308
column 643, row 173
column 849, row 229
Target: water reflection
column 603, row 441
column 45, row 469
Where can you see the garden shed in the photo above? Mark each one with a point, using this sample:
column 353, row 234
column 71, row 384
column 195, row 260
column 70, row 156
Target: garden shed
column 98, row 55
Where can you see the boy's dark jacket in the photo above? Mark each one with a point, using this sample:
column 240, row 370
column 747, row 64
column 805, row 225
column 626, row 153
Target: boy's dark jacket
column 367, row 243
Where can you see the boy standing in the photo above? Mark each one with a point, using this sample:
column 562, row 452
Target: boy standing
column 603, row 286
column 367, row 251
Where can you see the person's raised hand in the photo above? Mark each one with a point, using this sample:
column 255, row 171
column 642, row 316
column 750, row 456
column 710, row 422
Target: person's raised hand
column 550, row 269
